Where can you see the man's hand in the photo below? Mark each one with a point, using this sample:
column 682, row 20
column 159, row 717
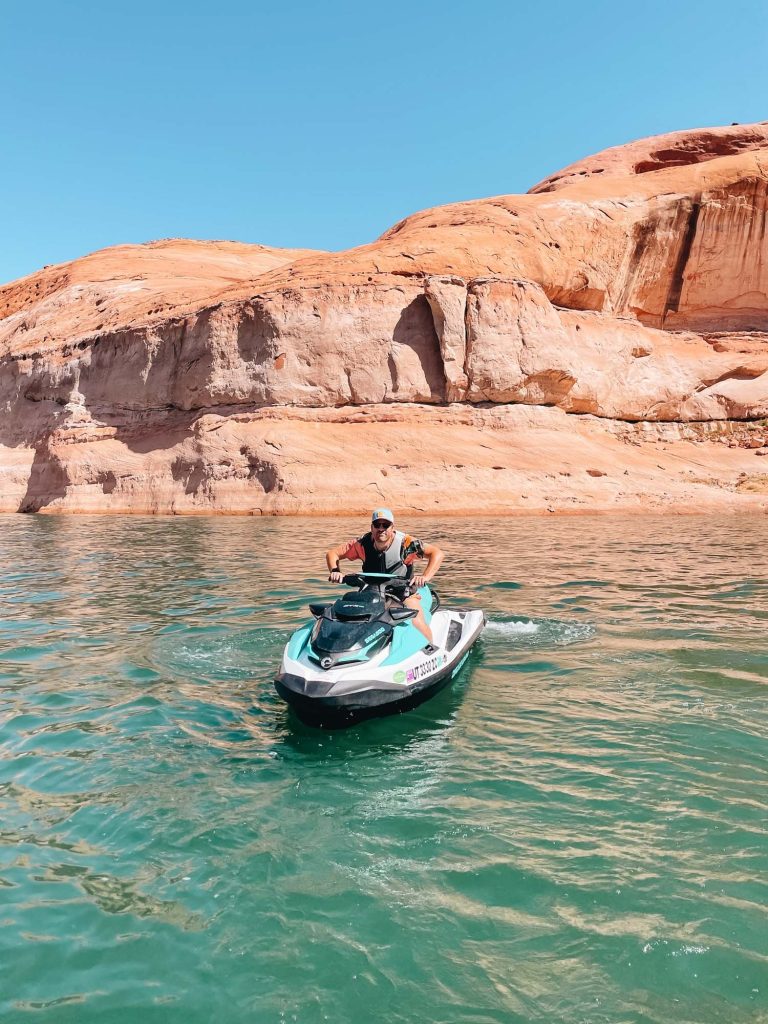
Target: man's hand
column 418, row 581
column 336, row 577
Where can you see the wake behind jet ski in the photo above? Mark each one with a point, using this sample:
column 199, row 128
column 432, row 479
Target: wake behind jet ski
column 363, row 656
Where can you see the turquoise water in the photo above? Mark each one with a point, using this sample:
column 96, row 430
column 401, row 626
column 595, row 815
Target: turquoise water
column 575, row 831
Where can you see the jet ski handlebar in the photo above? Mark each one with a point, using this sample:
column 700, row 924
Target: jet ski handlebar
column 390, row 583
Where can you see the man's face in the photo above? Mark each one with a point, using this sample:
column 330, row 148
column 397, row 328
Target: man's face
column 383, row 533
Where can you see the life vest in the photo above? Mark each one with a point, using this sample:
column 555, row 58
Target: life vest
column 389, row 561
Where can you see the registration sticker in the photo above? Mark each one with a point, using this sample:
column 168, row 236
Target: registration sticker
column 428, row 666
column 399, row 676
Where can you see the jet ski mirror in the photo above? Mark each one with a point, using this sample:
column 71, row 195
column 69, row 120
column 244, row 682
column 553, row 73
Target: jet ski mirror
column 318, row 610
column 401, row 614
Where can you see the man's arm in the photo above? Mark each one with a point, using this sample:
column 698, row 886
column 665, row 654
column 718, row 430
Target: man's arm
column 333, row 556
column 434, row 556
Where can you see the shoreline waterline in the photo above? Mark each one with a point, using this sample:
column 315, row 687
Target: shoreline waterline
column 755, row 507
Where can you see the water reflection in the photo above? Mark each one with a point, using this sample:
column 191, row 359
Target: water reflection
column 588, row 801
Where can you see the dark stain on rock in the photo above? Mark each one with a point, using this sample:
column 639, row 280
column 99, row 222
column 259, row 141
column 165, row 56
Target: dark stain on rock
column 266, row 473
column 191, row 472
column 48, row 479
column 672, row 305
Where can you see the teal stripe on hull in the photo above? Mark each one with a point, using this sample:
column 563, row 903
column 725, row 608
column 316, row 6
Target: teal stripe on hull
column 460, row 663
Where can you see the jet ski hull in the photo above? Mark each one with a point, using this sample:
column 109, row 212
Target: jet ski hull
column 380, row 686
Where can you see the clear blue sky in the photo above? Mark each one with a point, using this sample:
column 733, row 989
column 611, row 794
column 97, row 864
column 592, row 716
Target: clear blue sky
column 321, row 124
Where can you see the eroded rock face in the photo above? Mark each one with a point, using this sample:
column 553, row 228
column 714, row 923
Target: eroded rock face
column 624, row 297
column 675, row 149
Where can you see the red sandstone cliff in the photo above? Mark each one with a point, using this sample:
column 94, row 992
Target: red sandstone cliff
column 599, row 343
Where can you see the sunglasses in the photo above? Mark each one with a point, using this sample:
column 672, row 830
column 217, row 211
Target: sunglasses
column 381, row 524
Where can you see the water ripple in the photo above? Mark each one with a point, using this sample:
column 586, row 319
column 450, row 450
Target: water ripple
column 575, row 830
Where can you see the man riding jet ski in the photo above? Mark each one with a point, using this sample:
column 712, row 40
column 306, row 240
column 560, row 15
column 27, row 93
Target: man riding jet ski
column 387, row 550
column 384, row 648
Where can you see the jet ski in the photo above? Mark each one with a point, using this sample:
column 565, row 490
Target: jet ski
column 362, row 656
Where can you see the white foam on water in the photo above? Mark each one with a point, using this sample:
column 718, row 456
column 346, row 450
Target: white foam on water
column 573, row 632
column 519, row 627
column 545, row 633
column 687, row 949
